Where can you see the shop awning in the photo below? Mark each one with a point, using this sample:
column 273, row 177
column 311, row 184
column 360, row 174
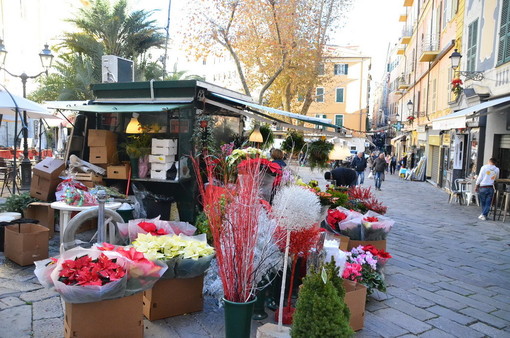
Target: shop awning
column 458, row 118
column 398, row 138
column 123, row 108
column 304, row 118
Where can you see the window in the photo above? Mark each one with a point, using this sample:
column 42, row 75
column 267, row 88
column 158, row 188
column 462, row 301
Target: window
column 321, row 116
column 504, row 33
column 300, row 98
column 472, row 42
column 319, row 94
column 339, row 95
column 320, row 69
column 339, row 120
column 341, row 69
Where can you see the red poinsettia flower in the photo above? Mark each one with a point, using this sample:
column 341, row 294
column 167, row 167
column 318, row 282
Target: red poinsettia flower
column 384, row 254
column 152, row 229
column 456, row 82
column 335, row 216
column 371, row 219
column 85, row 271
column 372, row 249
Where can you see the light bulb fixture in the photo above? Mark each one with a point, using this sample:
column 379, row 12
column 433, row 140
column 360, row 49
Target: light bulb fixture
column 469, row 74
column 340, row 151
column 3, row 53
column 410, row 106
column 46, row 57
column 134, row 127
column 256, row 135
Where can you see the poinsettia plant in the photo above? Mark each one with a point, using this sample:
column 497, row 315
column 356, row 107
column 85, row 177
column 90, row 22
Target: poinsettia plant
column 457, row 86
column 87, row 271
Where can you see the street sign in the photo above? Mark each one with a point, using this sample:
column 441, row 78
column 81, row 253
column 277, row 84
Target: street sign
column 398, row 126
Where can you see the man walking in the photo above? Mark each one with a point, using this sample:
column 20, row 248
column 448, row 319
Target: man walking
column 485, row 186
column 379, row 168
column 359, row 164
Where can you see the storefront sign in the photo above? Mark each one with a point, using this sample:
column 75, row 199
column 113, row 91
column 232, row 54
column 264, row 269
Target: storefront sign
column 446, row 139
column 434, row 140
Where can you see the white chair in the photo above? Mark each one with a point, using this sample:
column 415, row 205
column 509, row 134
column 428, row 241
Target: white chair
column 470, row 193
column 456, row 193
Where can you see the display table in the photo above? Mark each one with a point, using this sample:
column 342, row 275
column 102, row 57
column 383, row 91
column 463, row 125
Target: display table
column 66, row 210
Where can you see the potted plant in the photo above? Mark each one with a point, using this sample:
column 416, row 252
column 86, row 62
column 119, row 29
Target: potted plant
column 138, row 148
column 319, row 153
column 457, row 86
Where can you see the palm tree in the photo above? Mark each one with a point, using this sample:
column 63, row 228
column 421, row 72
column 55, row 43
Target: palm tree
column 103, row 29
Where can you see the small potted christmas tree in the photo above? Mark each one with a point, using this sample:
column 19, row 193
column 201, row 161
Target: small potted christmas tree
column 321, row 310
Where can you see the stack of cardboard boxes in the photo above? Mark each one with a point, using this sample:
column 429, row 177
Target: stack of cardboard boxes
column 162, row 157
column 102, row 147
column 45, row 178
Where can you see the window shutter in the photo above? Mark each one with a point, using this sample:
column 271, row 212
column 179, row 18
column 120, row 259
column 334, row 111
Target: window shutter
column 319, row 92
column 339, row 95
column 504, row 38
column 472, row 45
column 339, row 120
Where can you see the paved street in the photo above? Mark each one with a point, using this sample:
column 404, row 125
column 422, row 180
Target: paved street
column 449, row 277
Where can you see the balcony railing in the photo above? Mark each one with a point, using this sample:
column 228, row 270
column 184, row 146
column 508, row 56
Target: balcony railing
column 407, row 32
column 429, row 48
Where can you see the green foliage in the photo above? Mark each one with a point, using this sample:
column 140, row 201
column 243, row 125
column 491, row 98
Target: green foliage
column 321, row 310
column 203, row 138
column 17, row 203
column 294, row 142
column 318, row 154
column 202, row 225
column 267, row 136
column 138, row 145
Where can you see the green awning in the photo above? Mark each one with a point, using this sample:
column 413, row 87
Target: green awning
column 125, row 108
column 314, row 120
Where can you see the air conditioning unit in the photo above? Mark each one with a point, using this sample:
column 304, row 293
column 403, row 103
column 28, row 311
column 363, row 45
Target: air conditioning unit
column 116, row 69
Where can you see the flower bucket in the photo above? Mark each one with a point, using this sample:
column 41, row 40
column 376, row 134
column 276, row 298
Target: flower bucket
column 238, row 318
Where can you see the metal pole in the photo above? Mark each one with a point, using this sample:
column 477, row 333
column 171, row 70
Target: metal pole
column 26, row 165
column 101, row 230
column 39, row 158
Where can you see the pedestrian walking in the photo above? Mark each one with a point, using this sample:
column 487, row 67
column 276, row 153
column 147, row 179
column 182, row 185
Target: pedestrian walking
column 388, row 161
column 359, row 164
column 370, row 161
column 277, row 156
column 379, row 167
column 393, row 164
column 485, row 186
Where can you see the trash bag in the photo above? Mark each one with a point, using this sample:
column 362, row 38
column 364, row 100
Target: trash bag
column 152, row 205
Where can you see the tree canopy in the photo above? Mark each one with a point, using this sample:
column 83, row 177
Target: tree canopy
column 276, row 45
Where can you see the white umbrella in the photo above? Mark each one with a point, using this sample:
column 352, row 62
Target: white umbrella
column 12, row 106
column 8, row 103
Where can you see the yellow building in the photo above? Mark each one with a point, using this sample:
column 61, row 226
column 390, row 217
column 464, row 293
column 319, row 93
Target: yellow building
column 343, row 96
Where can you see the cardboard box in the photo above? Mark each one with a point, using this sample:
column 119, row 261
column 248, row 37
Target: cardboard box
column 43, row 213
column 103, row 155
column 165, row 143
column 355, row 298
column 43, row 188
column 163, row 151
column 26, row 243
column 378, row 244
column 49, row 168
column 101, row 138
column 173, row 297
column 161, row 159
column 158, row 174
column 122, row 317
column 120, row 172
column 161, row 166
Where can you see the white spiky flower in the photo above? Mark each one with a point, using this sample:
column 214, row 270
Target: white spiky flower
column 296, row 208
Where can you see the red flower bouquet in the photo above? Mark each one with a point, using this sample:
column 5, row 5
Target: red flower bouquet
column 334, row 217
column 151, row 228
column 99, row 273
column 155, row 227
column 87, row 271
column 457, row 86
column 375, row 226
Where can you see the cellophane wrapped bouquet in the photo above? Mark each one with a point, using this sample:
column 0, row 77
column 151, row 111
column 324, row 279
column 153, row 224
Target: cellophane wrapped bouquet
column 155, row 227
column 345, row 222
column 376, row 226
column 185, row 256
column 99, row 273
column 74, row 193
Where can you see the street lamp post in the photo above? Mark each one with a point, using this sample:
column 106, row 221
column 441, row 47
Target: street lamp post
column 470, row 75
column 46, row 60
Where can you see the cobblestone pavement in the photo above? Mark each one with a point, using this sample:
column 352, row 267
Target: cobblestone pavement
column 449, row 277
